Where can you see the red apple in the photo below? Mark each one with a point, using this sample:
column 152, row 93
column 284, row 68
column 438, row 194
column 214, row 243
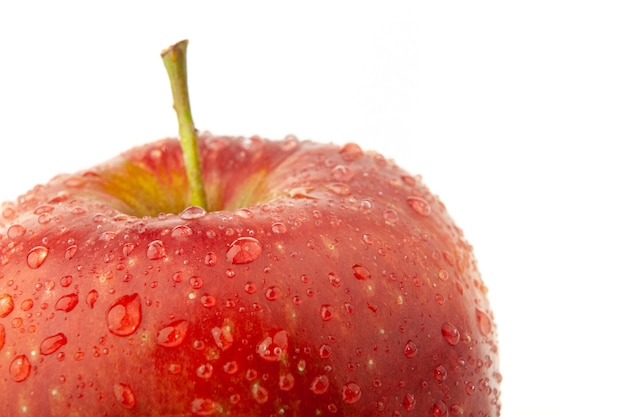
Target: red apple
column 320, row 280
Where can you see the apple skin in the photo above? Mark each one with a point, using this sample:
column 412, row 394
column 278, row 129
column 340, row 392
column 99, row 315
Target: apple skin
column 326, row 281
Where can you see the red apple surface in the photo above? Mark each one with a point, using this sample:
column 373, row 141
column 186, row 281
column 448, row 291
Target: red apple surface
column 317, row 280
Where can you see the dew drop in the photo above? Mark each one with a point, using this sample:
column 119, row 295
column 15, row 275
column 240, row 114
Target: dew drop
column 326, row 312
column 223, row 336
column 19, row 369
column 208, row 300
column 196, row 282
column 272, row 293
column 390, row 216
column 249, row 287
column 339, row 188
column 410, row 349
column 470, row 388
column 273, row 348
column 342, row 173
column 334, row 279
column 66, row 303
column 127, row 249
column 408, row 402
column 66, row 281
column 6, row 305
column 125, row 395
column 3, row 335
column 204, row 407
column 440, row 373
column 419, row 205
column 181, row 231
column 173, row 334
column 124, row 315
column 156, row 250
column 92, row 296
column 360, row 272
column 351, row 393
column 243, row 251
column 53, row 343
column 260, row 394
column 279, row 228
column 440, row 409
column 286, row 381
column 350, row 152
column 320, row 384
column 324, row 351
column 192, row 212
column 231, row 367
column 204, row 371
column 484, row 323
column 16, row 231
column 36, row 256
column 443, row 275
column 450, row 333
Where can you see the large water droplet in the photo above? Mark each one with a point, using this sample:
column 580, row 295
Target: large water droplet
column 92, row 296
column 3, row 335
column 260, row 394
column 66, row 303
column 244, row 250
column 204, row 371
column 156, row 250
column 440, row 373
column 192, row 212
column 19, row 369
column 125, row 395
column 408, row 402
column 327, row 312
column 450, row 333
column 173, row 334
column 325, row 351
column 484, row 322
column 279, row 228
column 53, row 343
column 360, row 272
column 286, row 381
column 351, row 393
column 320, row 384
column 410, row 349
column 16, row 231
column 124, row 315
column 181, row 231
column 204, row 407
column 36, row 256
column 272, row 293
column 419, row 205
column 350, row 152
column 273, row 348
column 440, row 409
column 223, row 336
column 342, row 173
column 6, row 305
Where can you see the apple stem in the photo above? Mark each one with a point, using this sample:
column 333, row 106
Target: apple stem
column 175, row 60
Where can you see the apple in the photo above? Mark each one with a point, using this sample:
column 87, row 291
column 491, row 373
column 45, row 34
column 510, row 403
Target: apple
column 298, row 279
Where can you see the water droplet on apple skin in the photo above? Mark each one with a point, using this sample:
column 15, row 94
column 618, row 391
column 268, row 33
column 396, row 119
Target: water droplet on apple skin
column 6, row 305
column 52, row 343
column 173, row 334
column 125, row 395
column 244, row 250
column 19, row 369
column 36, row 257
column 124, row 315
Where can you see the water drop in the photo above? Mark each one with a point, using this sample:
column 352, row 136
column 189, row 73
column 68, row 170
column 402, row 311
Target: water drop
column 450, row 333
column 272, row 293
column 36, row 256
column 360, row 272
column 350, row 152
column 204, row 371
column 470, row 388
column 124, row 315
column 410, row 349
column 231, row 367
column 279, row 228
column 484, row 323
column 192, row 212
column 351, row 393
column 339, row 188
column 16, row 231
column 53, row 343
column 196, row 282
column 286, row 381
column 223, row 336
column 260, row 394
column 342, row 173
column 204, row 407
column 408, row 402
column 273, row 348
column 208, row 300
column 325, row 351
column 19, row 369
column 127, row 249
column 243, row 250
column 6, row 305
column 320, row 384
column 326, row 312
column 334, row 279
column 390, row 216
column 3, row 335
column 249, row 287
column 443, row 275
column 66, row 303
column 156, row 250
column 125, row 395
column 92, row 296
column 66, row 281
column 440, row 373
column 419, row 205
column 440, row 409
column 70, row 252
column 173, row 334
column 181, row 231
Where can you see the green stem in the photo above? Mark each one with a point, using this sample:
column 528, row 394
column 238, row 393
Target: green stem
column 175, row 60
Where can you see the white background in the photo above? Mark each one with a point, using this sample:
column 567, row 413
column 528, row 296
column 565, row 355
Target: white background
column 513, row 112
